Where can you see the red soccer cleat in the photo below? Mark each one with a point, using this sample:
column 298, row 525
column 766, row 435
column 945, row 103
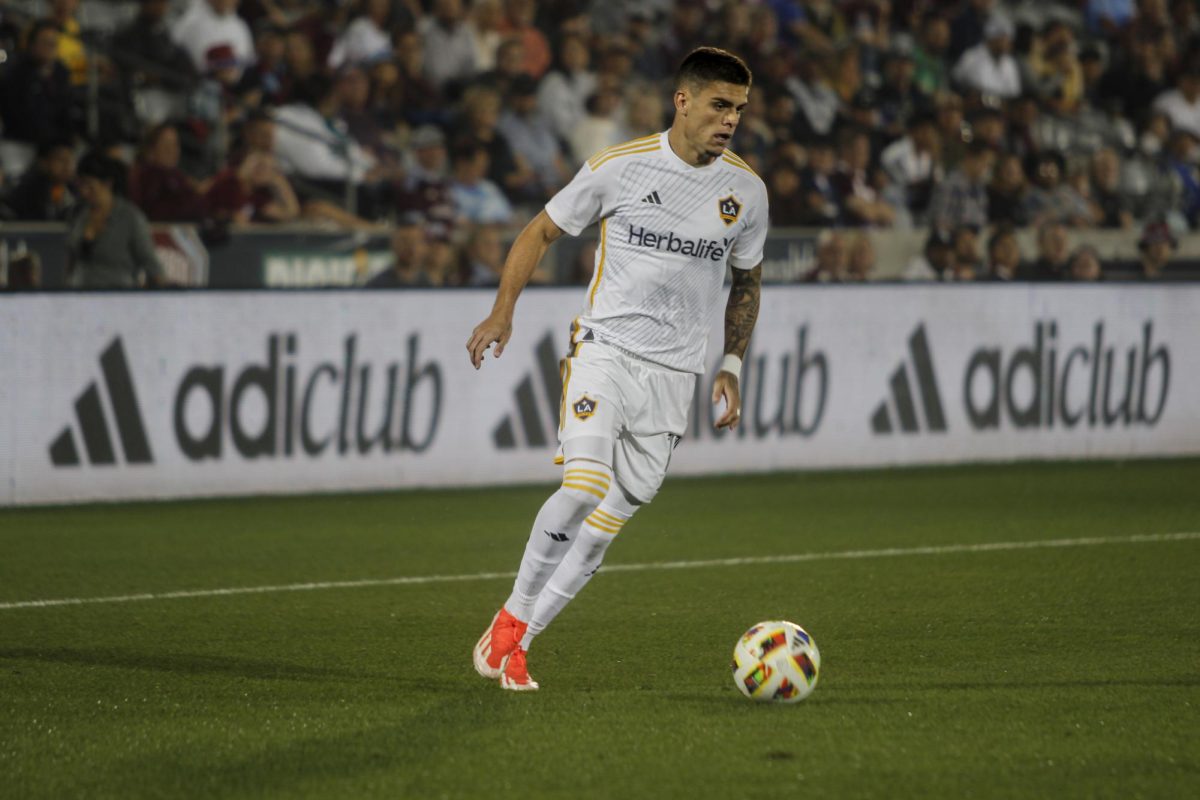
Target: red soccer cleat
column 501, row 638
column 515, row 676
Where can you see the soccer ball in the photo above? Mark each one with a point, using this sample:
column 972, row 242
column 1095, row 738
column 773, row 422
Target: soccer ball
column 776, row 661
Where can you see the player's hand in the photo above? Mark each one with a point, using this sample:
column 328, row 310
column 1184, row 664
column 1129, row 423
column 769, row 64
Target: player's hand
column 494, row 329
column 726, row 386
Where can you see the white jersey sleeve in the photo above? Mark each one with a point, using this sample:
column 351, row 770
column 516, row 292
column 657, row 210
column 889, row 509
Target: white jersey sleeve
column 590, row 196
column 747, row 250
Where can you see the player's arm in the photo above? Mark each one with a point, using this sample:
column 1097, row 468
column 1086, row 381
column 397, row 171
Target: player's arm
column 523, row 258
column 741, row 312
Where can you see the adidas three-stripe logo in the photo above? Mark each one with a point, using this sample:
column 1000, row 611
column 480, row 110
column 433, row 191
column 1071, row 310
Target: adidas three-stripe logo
column 93, row 425
column 537, row 424
column 652, row 198
column 902, row 395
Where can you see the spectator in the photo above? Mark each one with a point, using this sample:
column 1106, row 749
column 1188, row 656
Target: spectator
column 365, row 40
column 483, row 256
column 599, row 128
column 508, row 169
column 409, row 252
column 300, row 62
column 510, row 67
column 70, row 49
column 1003, row 255
column 990, row 68
column 157, row 185
column 313, row 142
column 962, row 199
column 35, row 91
column 210, row 25
column 1108, row 17
column 147, row 55
column 816, row 101
column 1156, row 246
column 1007, row 192
column 487, row 16
column 1051, row 198
column 535, row 48
column 860, row 262
column 448, row 46
column 109, row 242
column 948, row 109
column 788, row 205
column 968, row 27
column 1085, row 265
column 425, row 190
column 252, row 191
column 1182, row 104
column 831, row 259
column 820, row 196
column 912, row 164
column 563, row 93
column 929, row 55
column 531, row 137
column 1180, row 164
column 966, row 266
column 1135, row 78
column 936, row 262
column 477, row 199
column 419, row 99
column 268, row 77
column 1112, row 203
column 860, row 203
column 899, row 97
column 1054, row 252
column 44, row 192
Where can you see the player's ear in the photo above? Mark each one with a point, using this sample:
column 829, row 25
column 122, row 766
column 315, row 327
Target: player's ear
column 683, row 100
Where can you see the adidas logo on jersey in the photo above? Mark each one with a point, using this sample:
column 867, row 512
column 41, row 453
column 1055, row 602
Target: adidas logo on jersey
column 93, row 424
column 902, row 394
column 652, row 198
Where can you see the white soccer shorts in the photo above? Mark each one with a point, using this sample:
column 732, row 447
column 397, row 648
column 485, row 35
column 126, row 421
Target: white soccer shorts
column 625, row 413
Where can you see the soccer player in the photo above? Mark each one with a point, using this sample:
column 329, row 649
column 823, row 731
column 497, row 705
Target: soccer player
column 674, row 209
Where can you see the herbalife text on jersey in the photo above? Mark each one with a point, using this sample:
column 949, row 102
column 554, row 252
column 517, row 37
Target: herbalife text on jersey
column 696, row 248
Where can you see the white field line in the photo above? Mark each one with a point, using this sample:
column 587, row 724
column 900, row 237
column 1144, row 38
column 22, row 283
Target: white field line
column 839, row 555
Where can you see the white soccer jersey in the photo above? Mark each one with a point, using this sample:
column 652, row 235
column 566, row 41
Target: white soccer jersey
column 667, row 231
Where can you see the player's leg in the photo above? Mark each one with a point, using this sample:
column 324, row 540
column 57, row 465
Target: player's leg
column 640, row 464
column 587, row 431
column 598, row 531
column 585, row 484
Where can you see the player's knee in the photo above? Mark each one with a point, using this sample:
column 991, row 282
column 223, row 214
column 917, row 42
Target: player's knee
column 586, row 483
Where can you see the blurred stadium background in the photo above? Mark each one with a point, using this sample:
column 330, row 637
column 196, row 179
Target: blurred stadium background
column 968, row 456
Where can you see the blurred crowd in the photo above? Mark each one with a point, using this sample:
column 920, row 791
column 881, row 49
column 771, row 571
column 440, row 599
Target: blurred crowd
column 452, row 120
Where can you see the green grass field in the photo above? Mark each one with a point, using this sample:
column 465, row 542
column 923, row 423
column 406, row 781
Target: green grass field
column 1065, row 671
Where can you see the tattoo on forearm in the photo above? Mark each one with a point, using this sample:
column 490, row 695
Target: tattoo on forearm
column 741, row 311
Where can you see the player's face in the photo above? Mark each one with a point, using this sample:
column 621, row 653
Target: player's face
column 713, row 114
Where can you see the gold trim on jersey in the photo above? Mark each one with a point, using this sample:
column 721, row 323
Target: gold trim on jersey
column 645, row 140
column 606, row 159
column 600, row 266
column 562, row 410
column 733, row 159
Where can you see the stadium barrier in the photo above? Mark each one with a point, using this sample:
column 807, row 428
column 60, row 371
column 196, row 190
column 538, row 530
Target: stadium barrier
column 132, row 395
column 291, row 257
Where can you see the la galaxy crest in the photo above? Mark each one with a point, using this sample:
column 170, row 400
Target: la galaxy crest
column 584, row 407
column 730, row 208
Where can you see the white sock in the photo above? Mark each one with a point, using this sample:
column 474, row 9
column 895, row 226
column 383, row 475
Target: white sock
column 554, row 531
column 581, row 563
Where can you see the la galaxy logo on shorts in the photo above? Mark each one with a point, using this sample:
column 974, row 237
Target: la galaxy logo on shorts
column 729, row 209
column 584, row 407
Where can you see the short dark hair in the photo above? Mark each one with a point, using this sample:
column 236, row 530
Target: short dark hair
column 95, row 164
column 706, row 65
